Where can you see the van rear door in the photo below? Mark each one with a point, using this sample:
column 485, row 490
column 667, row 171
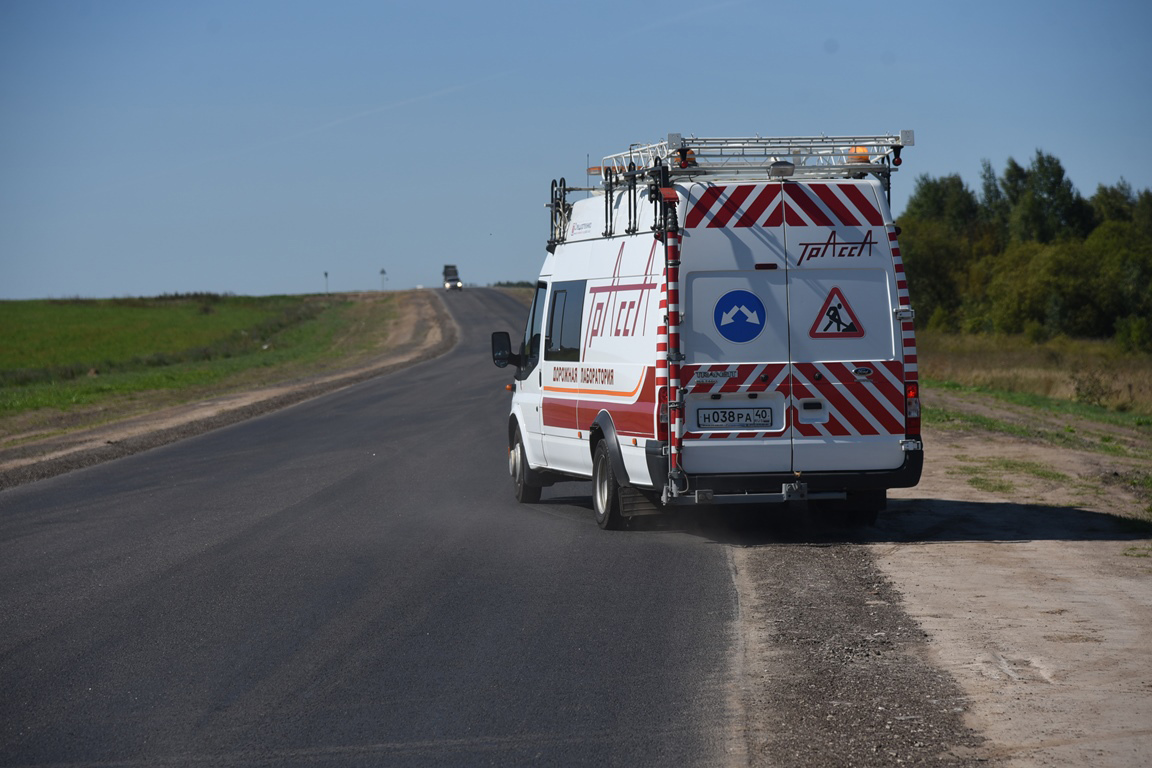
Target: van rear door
column 848, row 373
column 790, row 341
column 734, row 333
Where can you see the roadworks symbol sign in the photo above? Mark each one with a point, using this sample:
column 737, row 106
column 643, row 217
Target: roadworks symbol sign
column 836, row 319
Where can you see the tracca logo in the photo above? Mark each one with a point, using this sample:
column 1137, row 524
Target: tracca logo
column 619, row 309
column 835, row 248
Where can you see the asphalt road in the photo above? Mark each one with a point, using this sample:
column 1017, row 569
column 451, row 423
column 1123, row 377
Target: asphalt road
column 350, row 582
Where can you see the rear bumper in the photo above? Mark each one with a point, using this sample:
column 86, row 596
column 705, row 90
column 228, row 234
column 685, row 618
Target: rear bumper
column 772, row 487
column 782, row 486
column 905, row 476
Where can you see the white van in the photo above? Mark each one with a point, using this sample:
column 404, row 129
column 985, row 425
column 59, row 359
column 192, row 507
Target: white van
column 722, row 321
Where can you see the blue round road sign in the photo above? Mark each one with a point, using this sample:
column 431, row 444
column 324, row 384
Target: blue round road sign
column 739, row 316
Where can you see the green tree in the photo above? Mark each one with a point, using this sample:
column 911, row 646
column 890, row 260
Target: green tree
column 1044, row 204
column 1015, row 292
column 947, row 200
column 1113, row 203
column 938, row 228
column 1120, row 259
column 1142, row 213
column 994, row 210
column 1014, row 183
column 933, row 260
column 1031, row 255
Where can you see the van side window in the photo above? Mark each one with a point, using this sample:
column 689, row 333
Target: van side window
column 555, row 324
column 530, row 346
column 564, row 321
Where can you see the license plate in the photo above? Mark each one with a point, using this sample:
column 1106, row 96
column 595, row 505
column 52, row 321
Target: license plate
column 734, row 418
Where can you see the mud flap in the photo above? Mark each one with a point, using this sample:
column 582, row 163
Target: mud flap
column 635, row 502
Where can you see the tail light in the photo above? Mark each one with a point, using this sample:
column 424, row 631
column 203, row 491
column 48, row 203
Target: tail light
column 912, row 408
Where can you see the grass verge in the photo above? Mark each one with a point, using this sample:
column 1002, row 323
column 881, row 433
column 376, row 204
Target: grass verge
column 1063, row 373
column 1081, row 437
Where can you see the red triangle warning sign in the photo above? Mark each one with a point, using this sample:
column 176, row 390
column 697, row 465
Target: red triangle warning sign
column 836, row 319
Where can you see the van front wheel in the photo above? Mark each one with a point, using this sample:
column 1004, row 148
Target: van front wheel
column 518, row 468
column 605, row 490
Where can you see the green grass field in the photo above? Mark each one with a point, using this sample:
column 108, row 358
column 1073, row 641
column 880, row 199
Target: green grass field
column 60, row 335
column 61, row 354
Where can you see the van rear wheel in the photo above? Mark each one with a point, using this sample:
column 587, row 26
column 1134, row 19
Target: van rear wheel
column 859, row 509
column 864, row 507
column 518, row 468
column 605, row 490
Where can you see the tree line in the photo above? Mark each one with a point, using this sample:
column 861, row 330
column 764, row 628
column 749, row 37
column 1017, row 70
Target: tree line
column 1029, row 254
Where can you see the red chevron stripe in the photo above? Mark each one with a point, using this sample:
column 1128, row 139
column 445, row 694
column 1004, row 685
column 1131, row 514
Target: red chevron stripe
column 758, row 205
column 800, row 196
column 863, row 205
column 776, row 217
column 702, row 206
column 730, row 206
column 839, row 210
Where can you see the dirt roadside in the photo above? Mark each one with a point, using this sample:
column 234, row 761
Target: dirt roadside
column 1017, row 558
column 1012, row 554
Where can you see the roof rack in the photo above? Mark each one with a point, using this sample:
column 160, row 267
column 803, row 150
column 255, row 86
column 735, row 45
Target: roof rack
column 660, row 165
column 819, row 157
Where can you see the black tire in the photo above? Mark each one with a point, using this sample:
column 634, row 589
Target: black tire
column 605, row 490
column 526, row 493
column 859, row 509
column 864, row 507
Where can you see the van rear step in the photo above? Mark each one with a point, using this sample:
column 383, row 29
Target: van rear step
column 788, row 492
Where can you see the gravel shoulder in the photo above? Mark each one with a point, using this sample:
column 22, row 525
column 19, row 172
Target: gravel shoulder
column 999, row 613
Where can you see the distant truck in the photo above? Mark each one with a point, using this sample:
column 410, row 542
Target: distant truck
column 452, row 281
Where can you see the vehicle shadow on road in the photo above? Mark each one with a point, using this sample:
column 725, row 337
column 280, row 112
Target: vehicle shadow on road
column 910, row 520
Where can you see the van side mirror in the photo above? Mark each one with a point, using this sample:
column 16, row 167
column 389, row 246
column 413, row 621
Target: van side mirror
column 502, row 353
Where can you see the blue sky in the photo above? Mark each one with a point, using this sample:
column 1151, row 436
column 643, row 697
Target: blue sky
column 250, row 146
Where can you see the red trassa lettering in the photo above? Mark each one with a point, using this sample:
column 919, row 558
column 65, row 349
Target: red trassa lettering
column 614, row 313
column 836, row 248
column 596, row 327
column 622, row 313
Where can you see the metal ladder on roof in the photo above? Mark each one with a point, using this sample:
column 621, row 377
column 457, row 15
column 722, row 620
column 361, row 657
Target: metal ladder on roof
column 813, row 157
column 756, row 157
